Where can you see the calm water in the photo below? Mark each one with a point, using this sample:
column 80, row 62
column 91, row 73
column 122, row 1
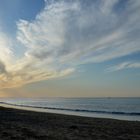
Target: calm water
column 119, row 108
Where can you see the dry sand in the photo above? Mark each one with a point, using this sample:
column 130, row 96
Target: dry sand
column 28, row 125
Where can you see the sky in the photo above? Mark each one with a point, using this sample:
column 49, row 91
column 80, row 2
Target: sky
column 69, row 48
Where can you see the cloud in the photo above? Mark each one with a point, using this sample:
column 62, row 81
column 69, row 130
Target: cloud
column 6, row 54
column 2, row 68
column 66, row 34
column 124, row 65
column 69, row 32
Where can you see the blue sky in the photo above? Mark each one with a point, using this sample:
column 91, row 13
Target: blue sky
column 69, row 48
column 12, row 11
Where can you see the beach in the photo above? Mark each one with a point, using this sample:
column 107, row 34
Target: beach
column 29, row 125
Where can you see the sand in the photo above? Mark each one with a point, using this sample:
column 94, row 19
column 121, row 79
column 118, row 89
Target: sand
column 28, row 125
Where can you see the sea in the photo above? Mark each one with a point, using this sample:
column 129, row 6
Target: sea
column 115, row 108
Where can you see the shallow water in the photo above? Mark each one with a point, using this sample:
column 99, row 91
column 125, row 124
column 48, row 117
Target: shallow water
column 118, row 108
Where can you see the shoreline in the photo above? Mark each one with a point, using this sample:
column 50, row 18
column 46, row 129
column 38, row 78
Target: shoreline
column 23, row 124
column 74, row 113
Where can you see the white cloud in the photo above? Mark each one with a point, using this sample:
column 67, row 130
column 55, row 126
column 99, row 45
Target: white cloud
column 124, row 65
column 69, row 33
column 5, row 49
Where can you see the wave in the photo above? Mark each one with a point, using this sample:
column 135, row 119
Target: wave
column 79, row 110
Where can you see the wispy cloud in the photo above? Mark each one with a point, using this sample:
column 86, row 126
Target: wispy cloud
column 69, row 33
column 124, row 65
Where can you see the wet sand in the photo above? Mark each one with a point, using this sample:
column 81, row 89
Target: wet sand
column 28, row 125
